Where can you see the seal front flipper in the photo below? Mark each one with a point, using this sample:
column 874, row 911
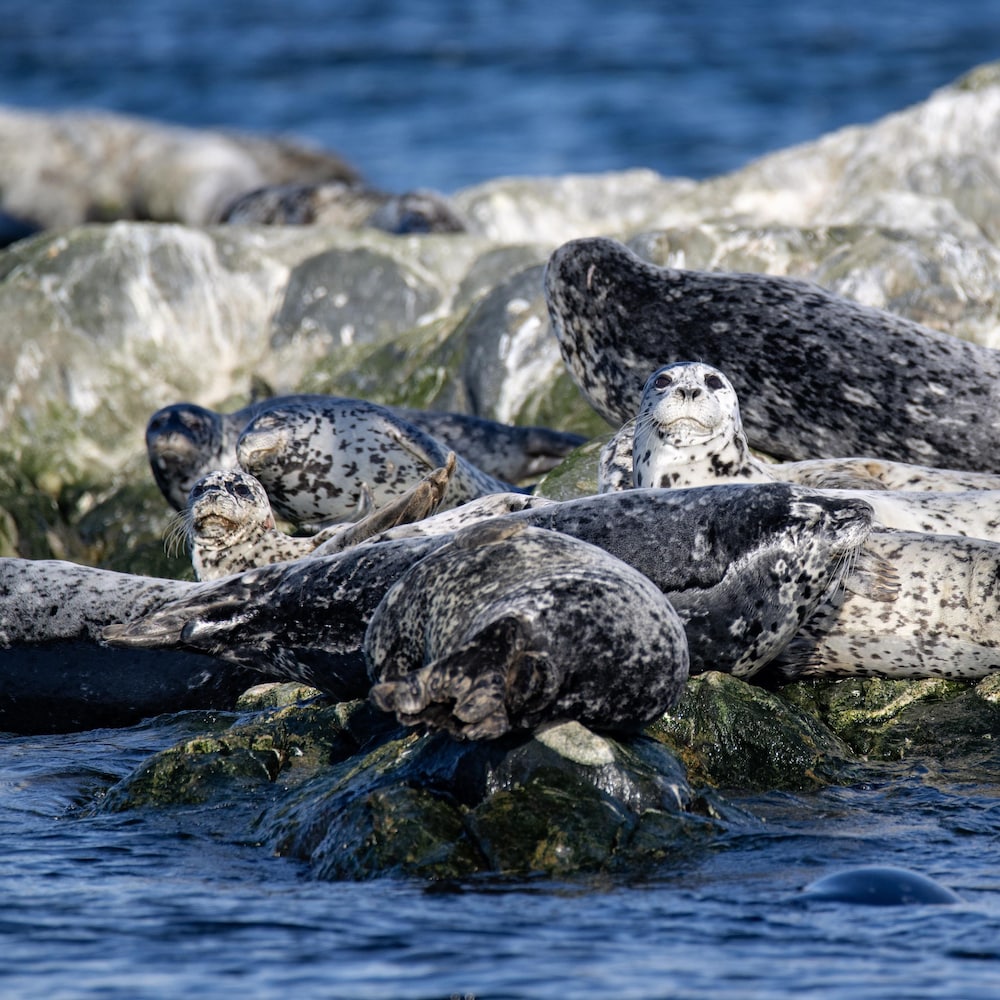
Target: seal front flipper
column 872, row 576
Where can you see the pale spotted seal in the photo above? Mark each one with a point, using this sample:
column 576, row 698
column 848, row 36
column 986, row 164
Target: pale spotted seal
column 747, row 565
column 689, row 432
column 229, row 525
column 56, row 677
column 510, row 626
column 313, row 459
column 913, row 605
column 185, row 442
column 819, row 375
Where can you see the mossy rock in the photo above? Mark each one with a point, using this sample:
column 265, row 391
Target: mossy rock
column 895, row 719
column 731, row 734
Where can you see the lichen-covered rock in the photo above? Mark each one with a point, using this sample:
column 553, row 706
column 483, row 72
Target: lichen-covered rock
column 732, row 734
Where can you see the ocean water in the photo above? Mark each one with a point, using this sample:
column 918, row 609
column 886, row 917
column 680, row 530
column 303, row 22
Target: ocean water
column 448, row 93
column 444, row 94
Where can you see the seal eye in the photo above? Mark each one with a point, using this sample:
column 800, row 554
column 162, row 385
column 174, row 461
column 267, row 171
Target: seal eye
column 662, row 381
column 242, row 490
column 713, row 382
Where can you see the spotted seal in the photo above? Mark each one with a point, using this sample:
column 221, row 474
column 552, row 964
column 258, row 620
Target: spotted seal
column 509, row 626
column 185, row 442
column 749, row 564
column 229, row 525
column 689, row 432
column 820, row 376
column 912, row 606
column 55, row 676
column 313, row 459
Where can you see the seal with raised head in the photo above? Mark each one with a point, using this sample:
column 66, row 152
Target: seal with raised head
column 689, row 432
column 229, row 525
column 185, row 442
column 819, row 375
column 314, row 459
column 510, row 626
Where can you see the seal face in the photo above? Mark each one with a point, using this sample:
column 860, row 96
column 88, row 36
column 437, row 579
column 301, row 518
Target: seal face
column 689, row 431
column 315, row 459
column 819, row 375
column 230, row 527
column 510, row 626
column 185, row 442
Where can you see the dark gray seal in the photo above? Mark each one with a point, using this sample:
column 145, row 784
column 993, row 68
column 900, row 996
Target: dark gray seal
column 819, row 375
column 509, row 626
column 689, row 431
column 744, row 567
column 879, row 886
column 229, row 525
column 315, row 459
column 56, row 676
column 185, row 441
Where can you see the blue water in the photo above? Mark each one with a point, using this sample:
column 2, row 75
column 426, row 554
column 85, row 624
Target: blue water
column 447, row 93
column 443, row 94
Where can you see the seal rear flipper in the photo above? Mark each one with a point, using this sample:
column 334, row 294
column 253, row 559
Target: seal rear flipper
column 415, row 504
column 470, row 691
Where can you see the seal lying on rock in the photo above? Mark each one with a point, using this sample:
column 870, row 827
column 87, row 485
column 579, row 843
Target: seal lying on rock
column 314, row 459
column 229, row 525
column 819, row 375
column 913, row 606
column 743, row 566
column 509, row 626
column 689, row 432
column 185, row 442
column 56, row 677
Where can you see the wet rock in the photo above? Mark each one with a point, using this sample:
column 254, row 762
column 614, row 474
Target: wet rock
column 732, row 734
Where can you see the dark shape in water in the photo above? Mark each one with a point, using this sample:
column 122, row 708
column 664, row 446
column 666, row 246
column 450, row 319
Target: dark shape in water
column 877, row 886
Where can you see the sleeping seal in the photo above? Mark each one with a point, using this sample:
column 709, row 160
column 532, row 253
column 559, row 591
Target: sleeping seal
column 510, row 626
column 185, row 442
column 912, row 606
column 819, row 375
column 689, row 432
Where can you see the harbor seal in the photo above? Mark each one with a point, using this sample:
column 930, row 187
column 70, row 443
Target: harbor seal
column 185, row 441
column 742, row 565
column 510, row 626
column 229, row 525
column 912, row 606
column 55, row 676
column 689, row 431
column 314, row 459
column 879, row 886
column 820, row 376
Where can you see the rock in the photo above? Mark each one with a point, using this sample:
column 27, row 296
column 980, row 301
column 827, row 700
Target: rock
column 343, row 789
column 67, row 168
column 731, row 734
